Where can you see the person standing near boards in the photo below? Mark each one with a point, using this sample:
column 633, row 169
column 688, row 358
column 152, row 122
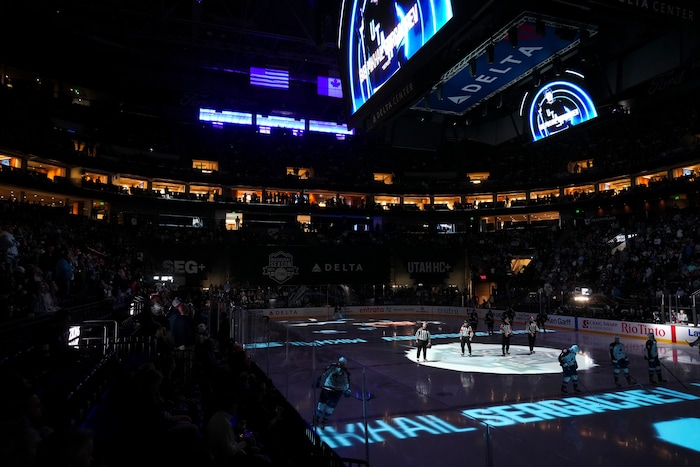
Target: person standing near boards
column 506, row 334
column 620, row 361
column 488, row 319
column 466, row 333
column 542, row 320
column 473, row 319
column 651, row 355
column 569, row 368
column 423, row 341
column 532, row 330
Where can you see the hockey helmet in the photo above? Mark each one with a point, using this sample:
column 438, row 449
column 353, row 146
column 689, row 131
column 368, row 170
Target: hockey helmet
column 650, row 335
column 617, row 338
column 574, row 348
column 342, row 361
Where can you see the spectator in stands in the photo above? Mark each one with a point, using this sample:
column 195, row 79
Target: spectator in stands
column 236, row 357
column 9, row 245
column 47, row 259
column 155, row 429
column 8, row 307
column 63, row 274
column 42, row 299
column 212, row 368
column 158, row 310
column 228, row 444
column 182, row 326
column 70, row 446
column 22, row 427
column 261, row 411
column 54, row 341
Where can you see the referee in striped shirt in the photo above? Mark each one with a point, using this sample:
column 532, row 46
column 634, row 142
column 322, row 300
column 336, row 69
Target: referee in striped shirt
column 422, row 341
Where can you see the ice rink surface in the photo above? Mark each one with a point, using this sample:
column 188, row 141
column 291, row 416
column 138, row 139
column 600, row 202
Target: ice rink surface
column 487, row 409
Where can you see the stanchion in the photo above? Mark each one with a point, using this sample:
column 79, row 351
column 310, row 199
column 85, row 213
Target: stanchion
column 365, row 396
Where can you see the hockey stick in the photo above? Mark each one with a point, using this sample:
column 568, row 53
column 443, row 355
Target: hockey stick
column 589, row 392
column 673, row 374
column 315, row 408
column 634, row 382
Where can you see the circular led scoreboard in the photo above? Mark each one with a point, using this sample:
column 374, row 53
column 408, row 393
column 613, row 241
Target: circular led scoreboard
column 557, row 106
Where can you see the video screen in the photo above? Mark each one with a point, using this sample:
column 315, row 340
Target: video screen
column 378, row 37
column 558, row 106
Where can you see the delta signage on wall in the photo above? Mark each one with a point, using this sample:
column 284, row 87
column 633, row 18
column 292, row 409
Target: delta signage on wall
column 296, row 265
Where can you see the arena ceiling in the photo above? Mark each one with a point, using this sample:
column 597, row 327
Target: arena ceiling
column 141, row 50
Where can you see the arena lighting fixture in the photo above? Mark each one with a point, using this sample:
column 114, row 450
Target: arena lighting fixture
column 513, row 37
column 540, row 28
column 564, row 32
column 490, row 53
column 557, row 65
column 536, row 78
column 584, row 36
column 472, row 67
column 522, row 102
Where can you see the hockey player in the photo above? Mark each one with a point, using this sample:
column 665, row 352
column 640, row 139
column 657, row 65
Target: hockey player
column 620, row 361
column 334, row 382
column 488, row 319
column 651, row 355
column 567, row 360
column 466, row 333
column 696, row 342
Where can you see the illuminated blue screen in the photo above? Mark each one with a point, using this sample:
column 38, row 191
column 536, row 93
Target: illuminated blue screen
column 557, row 106
column 226, row 116
column 379, row 37
column 275, row 121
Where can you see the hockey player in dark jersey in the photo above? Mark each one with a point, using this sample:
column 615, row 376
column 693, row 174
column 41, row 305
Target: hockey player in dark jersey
column 334, row 383
column 620, row 361
column 567, row 360
column 651, row 355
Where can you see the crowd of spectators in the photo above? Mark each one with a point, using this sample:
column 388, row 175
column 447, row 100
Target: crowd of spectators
column 632, row 261
column 198, row 400
column 618, row 140
column 643, row 262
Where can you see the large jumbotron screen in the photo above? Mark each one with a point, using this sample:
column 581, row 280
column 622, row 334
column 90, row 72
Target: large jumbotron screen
column 558, row 105
column 378, row 38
